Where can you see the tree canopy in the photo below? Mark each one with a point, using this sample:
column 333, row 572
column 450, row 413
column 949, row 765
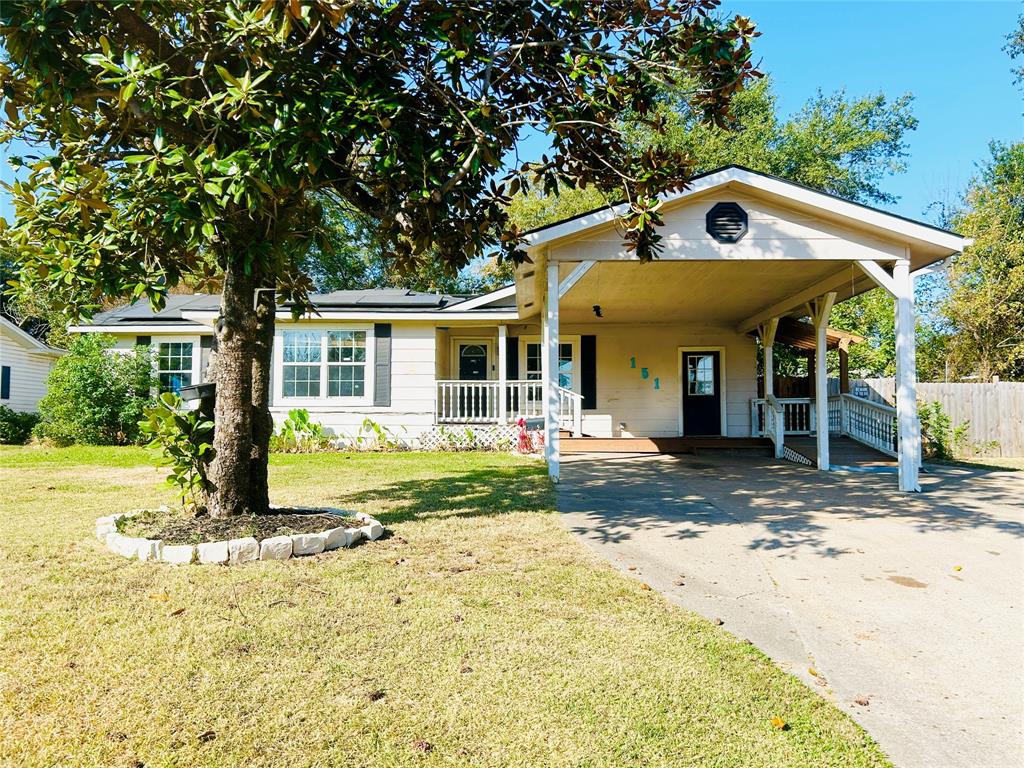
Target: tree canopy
column 981, row 319
column 188, row 140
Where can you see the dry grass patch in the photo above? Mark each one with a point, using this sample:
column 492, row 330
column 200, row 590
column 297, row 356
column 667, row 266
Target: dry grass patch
column 479, row 633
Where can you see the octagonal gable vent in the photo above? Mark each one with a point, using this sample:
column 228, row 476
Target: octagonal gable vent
column 727, row 222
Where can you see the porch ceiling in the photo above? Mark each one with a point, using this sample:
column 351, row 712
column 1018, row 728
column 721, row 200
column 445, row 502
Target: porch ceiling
column 705, row 292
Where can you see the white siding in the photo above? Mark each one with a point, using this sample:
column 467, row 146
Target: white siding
column 28, row 373
column 624, row 396
column 413, row 350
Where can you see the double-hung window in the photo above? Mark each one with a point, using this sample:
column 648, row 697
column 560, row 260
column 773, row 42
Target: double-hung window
column 302, row 358
column 175, row 364
column 324, row 364
column 346, row 363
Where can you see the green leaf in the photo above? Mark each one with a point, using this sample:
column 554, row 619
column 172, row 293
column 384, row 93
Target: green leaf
column 136, row 159
column 212, row 188
column 208, row 230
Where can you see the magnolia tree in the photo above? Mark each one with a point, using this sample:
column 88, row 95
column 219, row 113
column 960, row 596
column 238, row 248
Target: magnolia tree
column 174, row 139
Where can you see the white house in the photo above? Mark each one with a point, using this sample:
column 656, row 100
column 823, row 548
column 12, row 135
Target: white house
column 599, row 345
column 25, row 363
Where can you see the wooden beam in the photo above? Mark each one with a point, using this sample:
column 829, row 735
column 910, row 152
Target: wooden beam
column 882, row 278
column 787, row 305
column 767, row 333
column 574, row 277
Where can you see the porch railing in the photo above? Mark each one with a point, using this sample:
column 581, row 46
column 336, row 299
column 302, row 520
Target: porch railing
column 869, row 422
column 864, row 420
column 481, row 402
column 797, row 415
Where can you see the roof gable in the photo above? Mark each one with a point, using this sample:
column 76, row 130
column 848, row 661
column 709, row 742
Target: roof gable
column 772, row 188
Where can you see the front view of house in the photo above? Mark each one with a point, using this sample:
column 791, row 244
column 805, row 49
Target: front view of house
column 600, row 346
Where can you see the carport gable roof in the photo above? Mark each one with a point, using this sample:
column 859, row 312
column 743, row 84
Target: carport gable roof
column 937, row 241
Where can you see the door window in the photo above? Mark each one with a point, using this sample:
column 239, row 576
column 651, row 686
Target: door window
column 700, row 375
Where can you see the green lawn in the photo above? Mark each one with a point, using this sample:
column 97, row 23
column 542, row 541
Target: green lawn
column 479, row 628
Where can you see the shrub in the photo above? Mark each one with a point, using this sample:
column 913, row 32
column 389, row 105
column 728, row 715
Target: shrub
column 96, row 395
column 300, row 434
column 185, row 441
column 940, row 438
column 16, row 426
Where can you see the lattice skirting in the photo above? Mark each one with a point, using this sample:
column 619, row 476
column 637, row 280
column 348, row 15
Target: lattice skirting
column 468, row 437
column 797, row 458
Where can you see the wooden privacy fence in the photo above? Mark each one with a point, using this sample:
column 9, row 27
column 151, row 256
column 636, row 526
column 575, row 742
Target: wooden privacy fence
column 995, row 411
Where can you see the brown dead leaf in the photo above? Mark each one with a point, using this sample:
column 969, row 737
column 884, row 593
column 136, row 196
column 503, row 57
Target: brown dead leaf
column 206, row 736
column 779, row 723
column 177, row 612
column 376, row 695
column 423, row 746
column 645, row 586
column 862, row 701
column 163, row 597
column 718, row 622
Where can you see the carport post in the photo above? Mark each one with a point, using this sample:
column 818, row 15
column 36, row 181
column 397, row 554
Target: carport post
column 908, row 427
column 549, row 368
column 821, row 309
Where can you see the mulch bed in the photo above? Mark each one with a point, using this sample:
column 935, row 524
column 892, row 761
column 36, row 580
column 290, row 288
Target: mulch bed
column 177, row 527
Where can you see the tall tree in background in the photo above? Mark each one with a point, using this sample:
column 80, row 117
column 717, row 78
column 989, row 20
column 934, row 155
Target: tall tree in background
column 983, row 312
column 182, row 139
column 833, row 143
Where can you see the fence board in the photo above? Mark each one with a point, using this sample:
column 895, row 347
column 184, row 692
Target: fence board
column 995, row 411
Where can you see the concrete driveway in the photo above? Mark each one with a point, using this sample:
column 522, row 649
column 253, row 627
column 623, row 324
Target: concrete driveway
column 911, row 603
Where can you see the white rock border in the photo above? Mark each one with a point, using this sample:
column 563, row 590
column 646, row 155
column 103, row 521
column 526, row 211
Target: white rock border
column 238, row 551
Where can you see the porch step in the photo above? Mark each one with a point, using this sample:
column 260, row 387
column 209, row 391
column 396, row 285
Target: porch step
column 661, row 444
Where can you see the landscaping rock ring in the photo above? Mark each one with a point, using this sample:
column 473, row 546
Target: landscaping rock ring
column 238, row 551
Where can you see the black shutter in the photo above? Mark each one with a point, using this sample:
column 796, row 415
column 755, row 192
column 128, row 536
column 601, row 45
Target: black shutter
column 5, row 382
column 382, row 364
column 588, row 371
column 511, row 358
column 143, row 341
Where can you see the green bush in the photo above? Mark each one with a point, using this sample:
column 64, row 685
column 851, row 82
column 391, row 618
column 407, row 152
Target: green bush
column 940, row 438
column 96, row 395
column 185, row 440
column 300, row 434
column 16, row 426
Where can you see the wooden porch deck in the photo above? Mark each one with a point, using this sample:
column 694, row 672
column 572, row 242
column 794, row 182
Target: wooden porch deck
column 661, row 444
column 842, row 452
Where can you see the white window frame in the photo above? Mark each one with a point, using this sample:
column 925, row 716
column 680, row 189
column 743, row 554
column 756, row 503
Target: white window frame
column 574, row 341
column 197, row 355
column 323, row 401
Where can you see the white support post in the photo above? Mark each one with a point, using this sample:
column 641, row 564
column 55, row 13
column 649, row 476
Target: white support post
column 502, row 380
column 550, row 372
column 821, row 309
column 909, row 429
column 767, row 332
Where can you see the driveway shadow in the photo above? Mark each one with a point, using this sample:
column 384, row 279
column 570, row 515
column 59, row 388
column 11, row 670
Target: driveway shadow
column 684, row 497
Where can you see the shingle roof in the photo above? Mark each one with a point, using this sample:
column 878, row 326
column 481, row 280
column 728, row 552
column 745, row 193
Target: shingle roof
column 392, row 299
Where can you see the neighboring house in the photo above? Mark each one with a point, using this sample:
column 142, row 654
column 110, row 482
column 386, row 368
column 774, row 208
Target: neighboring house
column 597, row 344
column 25, row 363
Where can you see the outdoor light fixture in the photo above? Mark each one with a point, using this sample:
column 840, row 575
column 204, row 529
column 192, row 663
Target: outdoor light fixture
column 597, row 310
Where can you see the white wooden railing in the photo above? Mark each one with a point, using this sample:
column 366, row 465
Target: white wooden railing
column 866, row 421
column 774, row 423
column 797, row 416
column 480, row 402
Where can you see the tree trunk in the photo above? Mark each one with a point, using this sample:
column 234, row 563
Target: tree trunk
column 262, row 421
column 232, row 442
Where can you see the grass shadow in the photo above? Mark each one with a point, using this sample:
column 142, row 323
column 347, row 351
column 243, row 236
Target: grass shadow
column 472, row 493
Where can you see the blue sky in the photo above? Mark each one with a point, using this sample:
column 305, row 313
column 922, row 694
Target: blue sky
column 947, row 54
